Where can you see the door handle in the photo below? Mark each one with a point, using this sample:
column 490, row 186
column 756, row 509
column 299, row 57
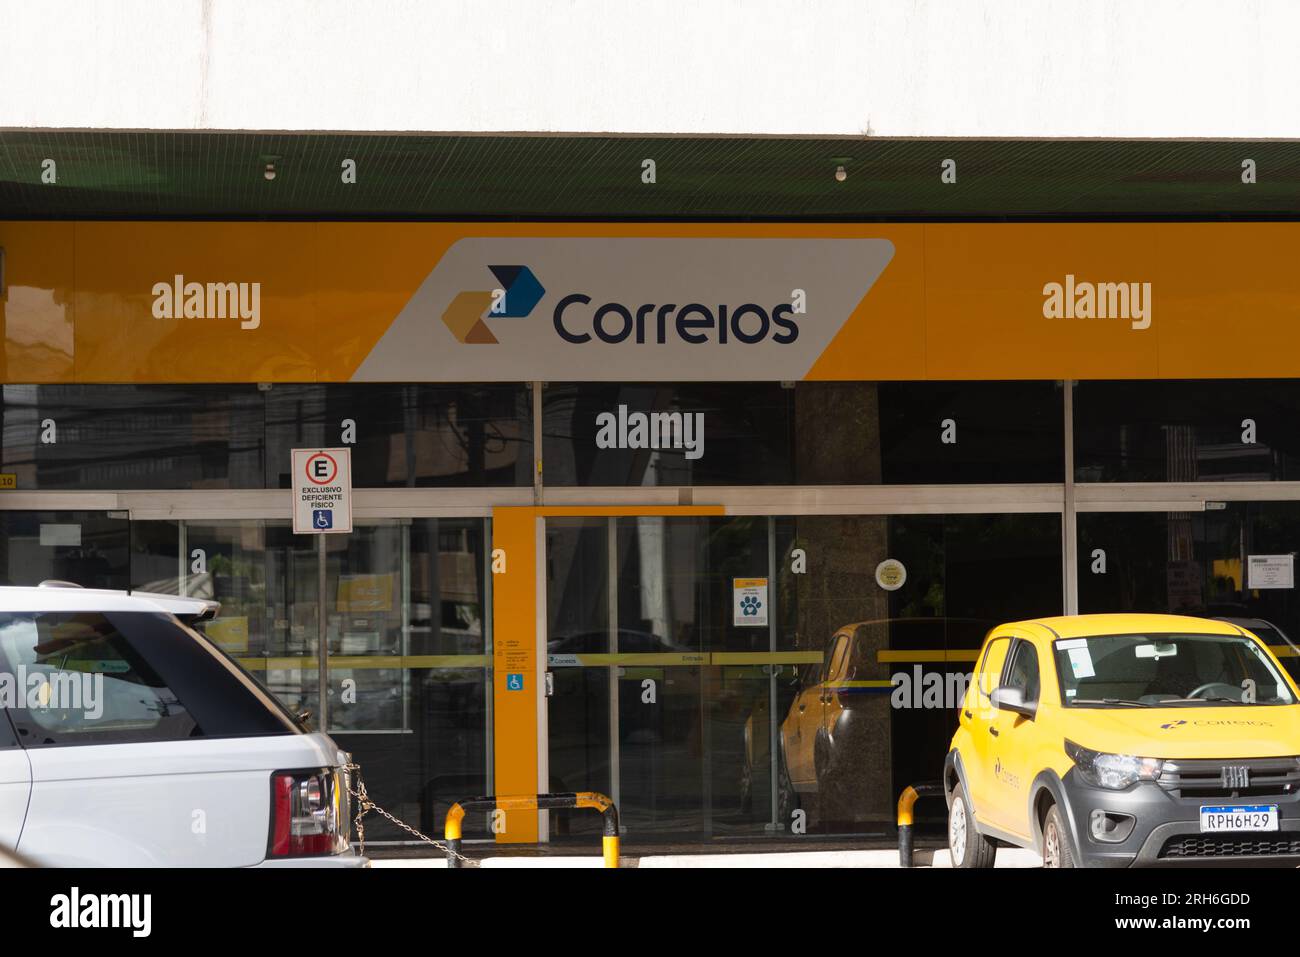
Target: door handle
column 994, row 731
column 802, row 707
column 968, row 714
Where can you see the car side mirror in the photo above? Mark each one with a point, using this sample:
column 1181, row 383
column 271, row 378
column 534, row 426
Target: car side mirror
column 1012, row 699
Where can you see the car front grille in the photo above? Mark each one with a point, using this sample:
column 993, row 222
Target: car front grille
column 1203, row 779
column 1201, row 846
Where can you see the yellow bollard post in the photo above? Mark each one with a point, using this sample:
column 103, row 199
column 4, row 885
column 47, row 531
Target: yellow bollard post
column 451, row 833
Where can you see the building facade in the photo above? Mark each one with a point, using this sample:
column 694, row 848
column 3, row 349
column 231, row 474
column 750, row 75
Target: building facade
column 708, row 516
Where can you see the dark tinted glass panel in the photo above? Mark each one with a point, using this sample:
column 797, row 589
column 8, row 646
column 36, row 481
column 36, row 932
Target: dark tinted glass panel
column 1187, row 431
column 1198, row 563
column 660, row 434
column 130, row 437
column 882, row 671
column 971, row 432
column 418, row 727
column 88, row 548
column 406, row 435
column 815, row 433
column 126, row 676
column 578, row 623
column 240, row 436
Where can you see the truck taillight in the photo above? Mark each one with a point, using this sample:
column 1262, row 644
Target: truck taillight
column 305, row 814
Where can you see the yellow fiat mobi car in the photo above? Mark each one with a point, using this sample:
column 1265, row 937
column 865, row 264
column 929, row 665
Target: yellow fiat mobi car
column 1119, row 740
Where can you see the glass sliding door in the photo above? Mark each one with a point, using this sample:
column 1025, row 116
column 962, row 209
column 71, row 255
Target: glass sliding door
column 770, row 675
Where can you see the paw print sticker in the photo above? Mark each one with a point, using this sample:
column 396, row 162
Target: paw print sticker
column 749, row 604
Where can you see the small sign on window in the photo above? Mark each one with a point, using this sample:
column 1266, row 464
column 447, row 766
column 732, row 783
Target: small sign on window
column 60, row 536
column 749, row 602
column 1270, row 571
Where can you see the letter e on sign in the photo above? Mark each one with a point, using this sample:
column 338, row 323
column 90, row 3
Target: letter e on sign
column 322, row 491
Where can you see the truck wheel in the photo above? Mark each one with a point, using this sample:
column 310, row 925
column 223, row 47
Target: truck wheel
column 968, row 847
column 1056, row 841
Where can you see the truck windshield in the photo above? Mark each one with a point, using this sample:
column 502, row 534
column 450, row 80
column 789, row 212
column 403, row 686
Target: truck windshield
column 1177, row 670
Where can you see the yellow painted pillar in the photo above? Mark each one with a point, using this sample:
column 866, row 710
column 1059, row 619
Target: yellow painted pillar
column 514, row 664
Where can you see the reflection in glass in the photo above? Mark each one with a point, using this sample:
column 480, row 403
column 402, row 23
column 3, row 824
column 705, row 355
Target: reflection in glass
column 1194, row 563
column 238, row 436
column 1187, row 431
column 804, row 433
column 409, row 655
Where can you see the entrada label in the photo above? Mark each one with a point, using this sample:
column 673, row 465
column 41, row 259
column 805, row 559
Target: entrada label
column 1103, row 300
column 651, row 430
column 213, row 300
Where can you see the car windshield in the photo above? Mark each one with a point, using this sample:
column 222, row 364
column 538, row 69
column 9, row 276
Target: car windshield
column 1175, row 670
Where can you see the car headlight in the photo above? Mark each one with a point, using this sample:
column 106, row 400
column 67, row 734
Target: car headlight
column 1112, row 771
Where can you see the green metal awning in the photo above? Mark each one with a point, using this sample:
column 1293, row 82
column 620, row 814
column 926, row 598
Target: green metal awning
column 158, row 175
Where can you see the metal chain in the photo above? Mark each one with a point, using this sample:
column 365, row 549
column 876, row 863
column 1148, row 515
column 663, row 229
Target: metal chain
column 365, row 806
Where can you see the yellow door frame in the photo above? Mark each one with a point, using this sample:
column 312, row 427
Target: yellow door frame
column 519, row 631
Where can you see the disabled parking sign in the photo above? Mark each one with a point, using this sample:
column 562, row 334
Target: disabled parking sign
column 322, row 491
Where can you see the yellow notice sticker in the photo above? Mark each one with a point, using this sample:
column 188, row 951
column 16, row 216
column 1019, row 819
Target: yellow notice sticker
column 8, row 481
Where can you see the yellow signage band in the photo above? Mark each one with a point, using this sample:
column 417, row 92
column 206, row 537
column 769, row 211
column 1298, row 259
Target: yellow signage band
column 170, row 302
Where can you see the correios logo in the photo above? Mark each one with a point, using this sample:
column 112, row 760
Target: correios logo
column 518, row 292
column 1218, row 723
column 694, row 323
column 180, row 299
column 1072, row 299
column 577, row 321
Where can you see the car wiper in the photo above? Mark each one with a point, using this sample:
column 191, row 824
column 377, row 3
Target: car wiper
column 1126, row 701
column 1213, row 697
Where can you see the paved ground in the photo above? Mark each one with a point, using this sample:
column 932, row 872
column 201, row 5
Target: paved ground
column 877, row 857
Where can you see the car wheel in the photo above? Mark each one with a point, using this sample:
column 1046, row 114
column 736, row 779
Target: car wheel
column 786, row 797
column 833, row 807
column 967, row 846
column 1056, row 841
column 747, row 788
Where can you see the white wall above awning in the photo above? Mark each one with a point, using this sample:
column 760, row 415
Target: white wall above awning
column 933, row 68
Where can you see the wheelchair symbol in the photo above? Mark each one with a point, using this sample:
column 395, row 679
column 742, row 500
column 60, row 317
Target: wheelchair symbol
column 322, row 518
column 514, row 682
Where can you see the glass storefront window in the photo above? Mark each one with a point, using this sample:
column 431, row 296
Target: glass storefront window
column 121, row 437
column 1197, row 563
column 133, row 437
column 88, row 548
column 1187, row 431
column 407, row 435
column 805, row 433
column 409, row 657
